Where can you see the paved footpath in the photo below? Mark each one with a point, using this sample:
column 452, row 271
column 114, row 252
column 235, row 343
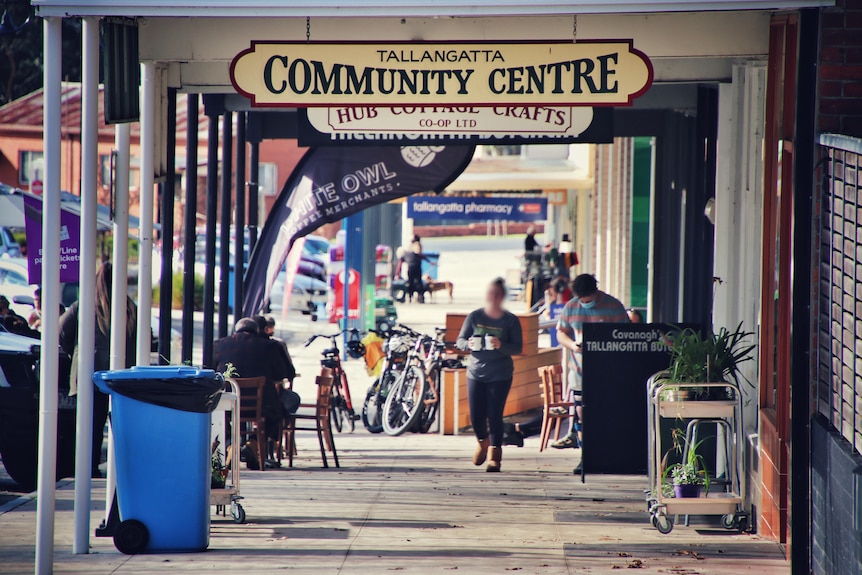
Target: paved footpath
column 414, row 504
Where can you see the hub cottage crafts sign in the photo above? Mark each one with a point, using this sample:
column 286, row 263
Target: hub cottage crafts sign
column 308, row 74
column 357, row 125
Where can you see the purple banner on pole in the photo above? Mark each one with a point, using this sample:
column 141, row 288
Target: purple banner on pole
column 332, row 183
column 70, row 242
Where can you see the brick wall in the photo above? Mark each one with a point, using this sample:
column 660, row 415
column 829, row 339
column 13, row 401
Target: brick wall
column 840, row 86
column 836, row 547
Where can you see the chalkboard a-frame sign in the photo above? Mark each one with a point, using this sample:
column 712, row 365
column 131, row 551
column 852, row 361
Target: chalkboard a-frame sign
column 618, row 360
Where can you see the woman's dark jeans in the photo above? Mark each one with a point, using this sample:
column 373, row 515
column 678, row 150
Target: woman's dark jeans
column 487, row 401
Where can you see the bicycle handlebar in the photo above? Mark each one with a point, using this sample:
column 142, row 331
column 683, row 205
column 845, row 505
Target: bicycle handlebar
column 331, row 337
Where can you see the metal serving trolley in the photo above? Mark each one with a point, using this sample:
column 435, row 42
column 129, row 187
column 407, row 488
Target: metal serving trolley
column 726, row 496
column 229, row 495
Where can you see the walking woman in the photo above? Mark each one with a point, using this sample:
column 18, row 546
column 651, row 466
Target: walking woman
column 492, row 335
column 102, row 356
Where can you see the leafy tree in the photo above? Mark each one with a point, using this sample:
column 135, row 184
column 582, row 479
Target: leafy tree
column 21, row 58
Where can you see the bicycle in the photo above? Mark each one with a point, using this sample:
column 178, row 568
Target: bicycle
column 341, row 410
column 399, row 340
column 405, row 402
column 435, row 361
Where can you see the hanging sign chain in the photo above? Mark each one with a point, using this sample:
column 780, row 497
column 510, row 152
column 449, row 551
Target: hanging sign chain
column 574, row 28
column 307, row 29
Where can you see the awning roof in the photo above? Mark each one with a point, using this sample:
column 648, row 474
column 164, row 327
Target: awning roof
column 397, row 8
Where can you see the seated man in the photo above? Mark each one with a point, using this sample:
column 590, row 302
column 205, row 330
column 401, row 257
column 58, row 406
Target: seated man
column 266, row 330
column 253, row 356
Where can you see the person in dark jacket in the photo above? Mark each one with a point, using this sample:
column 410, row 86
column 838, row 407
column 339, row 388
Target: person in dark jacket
column 102, row 354
column 530, row 243
column 492, row 335
column 254, row 356
column 413, row 258
column 266, row 330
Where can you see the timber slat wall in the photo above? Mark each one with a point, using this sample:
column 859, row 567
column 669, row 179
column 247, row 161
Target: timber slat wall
column 525, row 394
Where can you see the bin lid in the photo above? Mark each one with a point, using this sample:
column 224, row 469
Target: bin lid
column 177, row 387
column 157, row 372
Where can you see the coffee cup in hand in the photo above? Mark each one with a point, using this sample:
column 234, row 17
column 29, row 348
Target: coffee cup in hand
column 476, row 343
column 489, row 342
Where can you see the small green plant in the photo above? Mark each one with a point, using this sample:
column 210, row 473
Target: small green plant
column 711, row 359
column 177, row 292
column 230, row 370
column 218, row 477
column 692, row 470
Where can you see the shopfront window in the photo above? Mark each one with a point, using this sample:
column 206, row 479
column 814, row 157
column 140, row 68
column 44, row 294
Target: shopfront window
column 31, row 166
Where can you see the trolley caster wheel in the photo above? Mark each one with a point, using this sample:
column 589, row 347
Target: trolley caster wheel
column 131, row 537
column 663, row 524
column 653, row 520
column 741, row 523
column 728, row 522
column 238, row 513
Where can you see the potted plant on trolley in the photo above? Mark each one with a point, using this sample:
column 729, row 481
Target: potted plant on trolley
column 689, row 475
column 713, row 358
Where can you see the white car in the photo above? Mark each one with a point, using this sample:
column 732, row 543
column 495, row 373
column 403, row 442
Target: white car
column 15, row 286
column 309, row 295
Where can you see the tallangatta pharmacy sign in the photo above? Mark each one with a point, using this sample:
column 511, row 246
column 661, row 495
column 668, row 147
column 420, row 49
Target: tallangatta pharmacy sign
column 301, row 74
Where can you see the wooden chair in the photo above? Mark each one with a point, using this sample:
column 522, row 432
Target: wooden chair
column 251, row 412
column 551, row 377
column 321, row 423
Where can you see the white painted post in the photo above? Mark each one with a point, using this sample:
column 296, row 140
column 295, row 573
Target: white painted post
column 87, row 279
column 145, row 253
column 49, row 356
column 120, row 281
column 406, row 226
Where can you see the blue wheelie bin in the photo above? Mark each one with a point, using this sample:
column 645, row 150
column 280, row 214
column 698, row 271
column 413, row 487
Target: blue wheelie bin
column 160, row 419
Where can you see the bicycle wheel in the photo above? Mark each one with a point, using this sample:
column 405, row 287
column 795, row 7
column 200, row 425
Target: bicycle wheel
column 335, row 410
column 404, row 403
column 431, row 403
column 372, row 409
column 347, row 413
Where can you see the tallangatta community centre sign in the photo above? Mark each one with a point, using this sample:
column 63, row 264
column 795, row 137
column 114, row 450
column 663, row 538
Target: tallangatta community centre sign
column 309, row 74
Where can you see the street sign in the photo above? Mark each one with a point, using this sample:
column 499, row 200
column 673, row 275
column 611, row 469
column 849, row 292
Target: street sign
column 36, row 187
column 530, row 209
column 618, row 360
column 380, row 125
column 298, row 74
column 353, row 287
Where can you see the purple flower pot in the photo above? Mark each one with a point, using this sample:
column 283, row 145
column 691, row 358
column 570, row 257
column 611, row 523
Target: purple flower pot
column 686, row 491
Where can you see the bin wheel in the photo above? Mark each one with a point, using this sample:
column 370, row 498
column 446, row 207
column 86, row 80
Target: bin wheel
column 131, row 537
column 728, row 522
column 238, row 513
column 663, row 523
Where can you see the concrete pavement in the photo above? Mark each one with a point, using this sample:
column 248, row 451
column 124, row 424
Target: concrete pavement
column 415, row 504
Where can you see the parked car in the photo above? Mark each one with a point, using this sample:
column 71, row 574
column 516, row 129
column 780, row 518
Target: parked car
column 19, row 410
column 9, row 246
column 317, row 246
column 308, row 295
column 15, row 286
